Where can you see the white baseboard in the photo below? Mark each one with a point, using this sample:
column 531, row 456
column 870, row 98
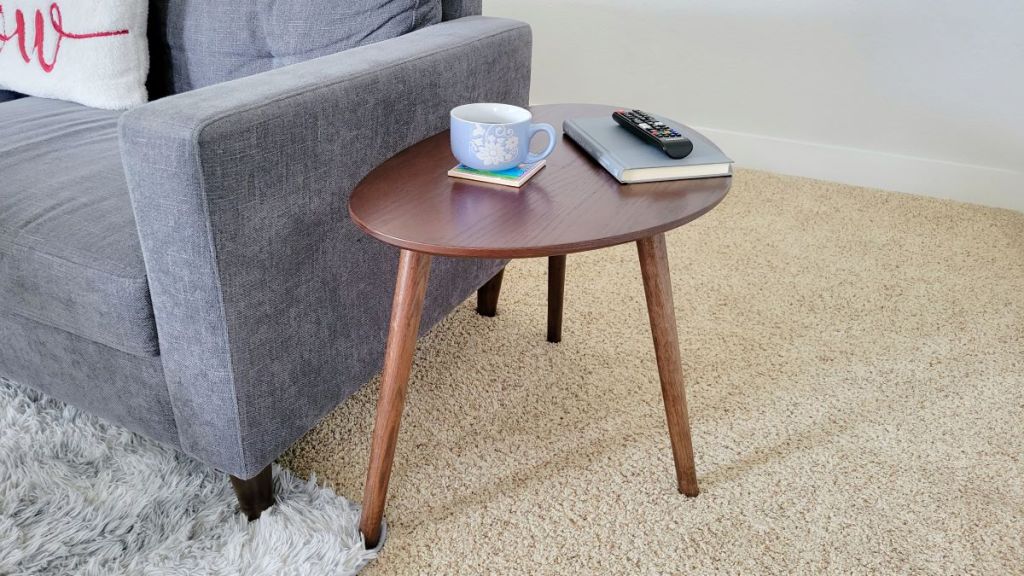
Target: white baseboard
column 924, row 176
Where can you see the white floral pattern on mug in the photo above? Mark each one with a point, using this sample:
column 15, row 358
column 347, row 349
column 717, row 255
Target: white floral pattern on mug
column 494, row 144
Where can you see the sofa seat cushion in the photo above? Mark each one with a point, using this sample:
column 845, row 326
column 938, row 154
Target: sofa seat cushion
column 69, row 250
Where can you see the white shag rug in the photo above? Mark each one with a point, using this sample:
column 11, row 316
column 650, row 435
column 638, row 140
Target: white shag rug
column 79, row 495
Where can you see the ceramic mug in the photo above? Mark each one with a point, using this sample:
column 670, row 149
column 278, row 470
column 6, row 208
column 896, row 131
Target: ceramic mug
column 496, row 137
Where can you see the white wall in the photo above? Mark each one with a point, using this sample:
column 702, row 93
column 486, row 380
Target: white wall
column 920, row 96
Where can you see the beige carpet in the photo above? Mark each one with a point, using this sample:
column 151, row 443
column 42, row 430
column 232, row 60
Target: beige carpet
column 855, row 364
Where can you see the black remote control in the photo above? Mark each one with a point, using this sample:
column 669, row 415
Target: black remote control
column 654, row 131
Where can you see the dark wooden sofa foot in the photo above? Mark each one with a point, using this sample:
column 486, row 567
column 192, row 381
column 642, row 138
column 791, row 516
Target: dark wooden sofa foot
column 255, row 495
column 487, row 296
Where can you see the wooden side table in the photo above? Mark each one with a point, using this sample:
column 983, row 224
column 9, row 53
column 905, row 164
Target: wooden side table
column 572, row 205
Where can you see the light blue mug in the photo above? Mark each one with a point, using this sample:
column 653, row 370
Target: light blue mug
column 496, row 137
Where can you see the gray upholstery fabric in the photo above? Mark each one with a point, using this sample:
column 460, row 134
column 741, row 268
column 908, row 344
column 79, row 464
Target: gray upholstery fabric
column 453, row 9
column 69, row 249
column 271, row 305
column 118, row 386
column 195, row 44
column 7, row 95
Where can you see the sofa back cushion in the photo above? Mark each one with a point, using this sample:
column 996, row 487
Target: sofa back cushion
column 196, row 43
column 452, row 9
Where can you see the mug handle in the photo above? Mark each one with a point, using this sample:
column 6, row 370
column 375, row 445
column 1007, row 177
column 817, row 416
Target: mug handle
column 534, row 129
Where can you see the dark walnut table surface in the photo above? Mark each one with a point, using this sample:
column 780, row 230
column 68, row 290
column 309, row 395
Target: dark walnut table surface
column 572, row 205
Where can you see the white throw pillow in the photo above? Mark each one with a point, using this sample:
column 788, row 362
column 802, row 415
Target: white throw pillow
column 93, row 52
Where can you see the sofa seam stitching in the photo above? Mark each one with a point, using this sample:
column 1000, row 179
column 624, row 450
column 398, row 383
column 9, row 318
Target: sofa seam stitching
column 146, row 352
column 50, row 254
column 214, row 260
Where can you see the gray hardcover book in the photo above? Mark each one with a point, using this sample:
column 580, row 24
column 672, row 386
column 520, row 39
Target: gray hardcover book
column 631, row 160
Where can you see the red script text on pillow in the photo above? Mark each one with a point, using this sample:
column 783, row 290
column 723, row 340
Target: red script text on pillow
column 56, row 23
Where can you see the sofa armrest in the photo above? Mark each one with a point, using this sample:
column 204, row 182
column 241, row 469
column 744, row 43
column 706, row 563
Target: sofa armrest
column 240, row 193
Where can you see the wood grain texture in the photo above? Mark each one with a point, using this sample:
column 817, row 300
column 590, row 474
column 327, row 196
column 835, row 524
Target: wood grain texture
column 406, row 310
column 487, row 295
column 572, row 205
column 556, row 296
column 256, row 494
column 661, row 309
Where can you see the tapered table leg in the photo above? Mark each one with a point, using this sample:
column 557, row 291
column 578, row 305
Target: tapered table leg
column 556, row 295
column 406, row 310
column 487, row 295
column 660, row 308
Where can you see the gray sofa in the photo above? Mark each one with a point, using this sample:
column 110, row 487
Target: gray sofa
column 187, row 269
